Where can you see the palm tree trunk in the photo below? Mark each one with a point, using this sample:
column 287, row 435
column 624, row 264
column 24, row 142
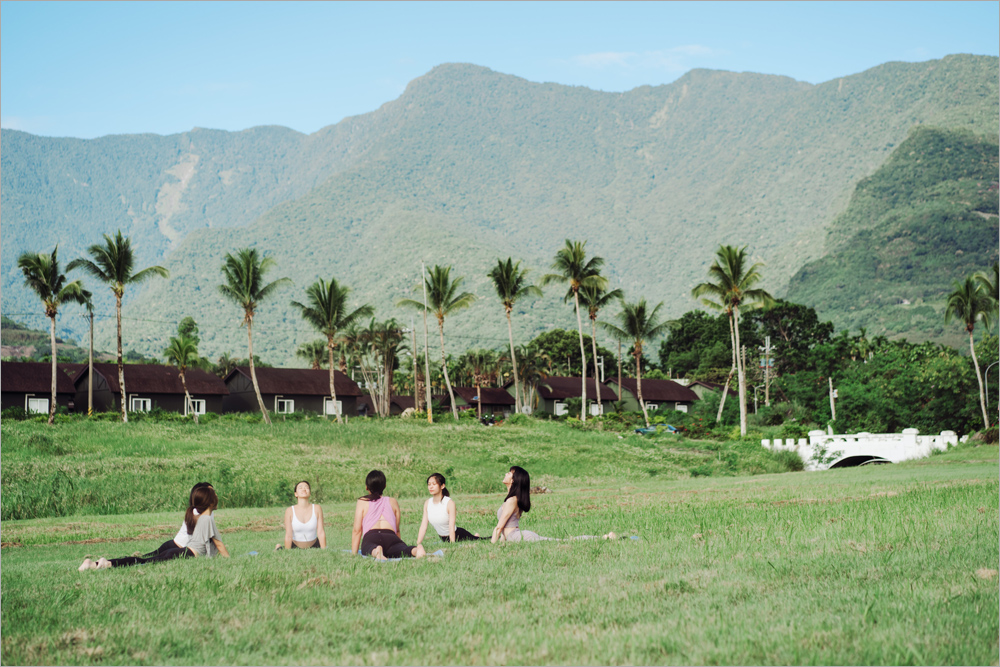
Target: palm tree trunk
column 979, row 376
column 479, row 400
column 253, row 373
column 187, row 396
column 90, row 365
column 732, row 369
column 444, row 367
column 333, row 389
column 638, row 385
column 513, row 362
column 52, row 340
column 740, row 373
column 583, row 358
column 619, row 371
column 121, row 364
column 593, row 342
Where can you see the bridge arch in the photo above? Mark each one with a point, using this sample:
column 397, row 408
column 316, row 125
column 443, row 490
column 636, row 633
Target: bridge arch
column 859, row 460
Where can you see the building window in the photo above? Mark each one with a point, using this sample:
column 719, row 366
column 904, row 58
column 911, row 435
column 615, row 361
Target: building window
column 681, row 407
column 651, row 406
column 284, row 406
column 331, row 409
column 595, row 409
column 560, row 409
column 38, row 405
column 140, row 404
column 197, row 406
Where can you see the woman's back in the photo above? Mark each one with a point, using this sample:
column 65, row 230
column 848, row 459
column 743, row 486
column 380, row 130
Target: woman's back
column 380, row 509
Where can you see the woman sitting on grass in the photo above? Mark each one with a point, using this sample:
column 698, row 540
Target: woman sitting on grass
column 304, row 522
column 517, row 502
column 376, row 524
column 181, row 538
column 439, row 512
column 204, row 536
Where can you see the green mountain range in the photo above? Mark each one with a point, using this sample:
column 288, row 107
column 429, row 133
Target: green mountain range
column 470, row 165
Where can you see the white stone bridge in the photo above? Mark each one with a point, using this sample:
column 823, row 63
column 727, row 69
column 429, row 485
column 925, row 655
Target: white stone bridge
column 823, row 450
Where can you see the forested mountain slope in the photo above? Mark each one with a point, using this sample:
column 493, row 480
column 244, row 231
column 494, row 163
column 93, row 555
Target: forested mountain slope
column 469, row 165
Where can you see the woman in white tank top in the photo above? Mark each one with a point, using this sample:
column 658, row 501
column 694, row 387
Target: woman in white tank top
column 439, row 512
column 304, row 522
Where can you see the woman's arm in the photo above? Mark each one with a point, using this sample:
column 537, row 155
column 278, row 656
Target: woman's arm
column 423, row 525
column 320, row 528
column 506, row 512
column 221, row 547
column 288, row 527
column 395, row 510
column 359, row 514
column 451, row 520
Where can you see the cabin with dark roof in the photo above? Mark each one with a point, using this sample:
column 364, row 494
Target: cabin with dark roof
column 701, row 388
column 287, row 390
column 553, row 392
column 149, row 386
column 28, row 385
column 657, row 394
column 495, row 401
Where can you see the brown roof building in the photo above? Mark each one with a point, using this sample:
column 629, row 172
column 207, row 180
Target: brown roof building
column 28, row 385
column 554, row 390
column 656, row 394
column 150, row 386
column 286, row 390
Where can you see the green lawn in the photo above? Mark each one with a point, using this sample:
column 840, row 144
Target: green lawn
column 884, row 564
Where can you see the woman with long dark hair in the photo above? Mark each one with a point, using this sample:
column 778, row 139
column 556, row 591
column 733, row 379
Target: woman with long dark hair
column 517, row 502
column 376, row 524
column 181, row 538
column 200, row 524
column 439, row 512
column 304, row 526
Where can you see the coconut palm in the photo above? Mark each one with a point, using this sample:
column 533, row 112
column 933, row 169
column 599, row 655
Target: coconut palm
column 578, row 272
column 113, row 263
column 638, row 325
column 182, row 352
column 511, row 284
column 314, row 352
column 327, row 312
column 534, row 370
column 967, row 303
column 244, row 286
column 595, row 298
column 444, row 299
column 42, row 276
column 990, row 281
column 733, row 286
column 481, row 365
column 88, row 303
column 225, row 364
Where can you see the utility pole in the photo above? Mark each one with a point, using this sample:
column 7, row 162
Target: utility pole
column 833, row 395
column 767, row 370
column 427, row 359
column 90, row 365
column 416, row 382
column 619, row 370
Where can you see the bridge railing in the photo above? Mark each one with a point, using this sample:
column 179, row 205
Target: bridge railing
column 823, row 450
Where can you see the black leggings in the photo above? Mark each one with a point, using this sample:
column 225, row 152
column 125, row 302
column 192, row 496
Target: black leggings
column 166, row 546
column 392, row 546
column 314, row 545
column 168, row 554
column 462, row 535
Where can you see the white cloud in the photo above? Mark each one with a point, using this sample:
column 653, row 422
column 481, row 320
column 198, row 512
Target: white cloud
column 604, row 59
column 674, row 59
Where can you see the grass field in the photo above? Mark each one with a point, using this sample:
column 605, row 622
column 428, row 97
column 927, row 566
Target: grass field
column 888, row 565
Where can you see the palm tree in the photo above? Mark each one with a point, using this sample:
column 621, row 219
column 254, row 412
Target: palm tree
column 113, row 263
column 88, row 302
column 42, row 276
column 443, row 300
column 328, row 313
column 990, row 282
column 224, row 365
column 481, row 365
column 511, row 284
column 182, row 352
column 575, row 269
column 732, row 287
column 638, row 325
column 534, row 371
column 314, row 352
column 244, row 286
column 595, row 298
column 967, row 303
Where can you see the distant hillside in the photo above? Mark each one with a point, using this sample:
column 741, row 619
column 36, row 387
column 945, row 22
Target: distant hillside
column 928, row 217
column 469, row 165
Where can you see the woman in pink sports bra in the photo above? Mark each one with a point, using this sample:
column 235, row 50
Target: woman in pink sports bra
column 376, row 524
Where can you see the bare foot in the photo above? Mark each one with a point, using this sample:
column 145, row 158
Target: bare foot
column 102, row 564
column 476, row 534
column 87, row 565
column 419, row 551
column 377, row 554
column 278, row 547
column 611, row 536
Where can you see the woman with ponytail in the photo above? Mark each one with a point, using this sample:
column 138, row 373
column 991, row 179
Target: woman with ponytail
column 376, row 524
column 439, row 512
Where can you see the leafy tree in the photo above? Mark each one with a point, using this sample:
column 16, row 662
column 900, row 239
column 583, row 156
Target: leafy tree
column 534, row 370
column 328, row 313
column 794, row 330
column 732, row 287
column 594, row 299
column 511, row 284
column 225, row 364
column 113, row 263
column 638, row 324
column 42, row 276
column 182, row 352
column 561, row 349
column 443, row 298
column 578, row 272
column 968, row 303
column 244, row 285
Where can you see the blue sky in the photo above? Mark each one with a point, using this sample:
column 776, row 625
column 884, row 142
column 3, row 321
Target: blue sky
column 87, row 69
